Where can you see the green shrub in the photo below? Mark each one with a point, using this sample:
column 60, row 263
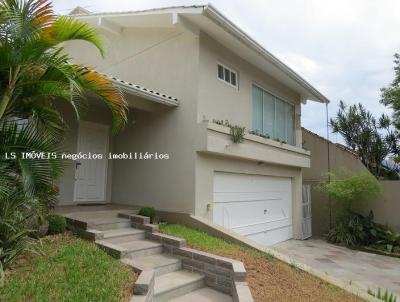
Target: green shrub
column 351, row 188
column 356, row 230
column 57, row 224
column 15, row 236
column 148, row 212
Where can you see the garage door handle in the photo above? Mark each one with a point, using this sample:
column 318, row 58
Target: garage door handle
column 265, row 212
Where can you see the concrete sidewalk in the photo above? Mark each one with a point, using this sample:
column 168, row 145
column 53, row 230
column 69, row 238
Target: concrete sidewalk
column 364, row 270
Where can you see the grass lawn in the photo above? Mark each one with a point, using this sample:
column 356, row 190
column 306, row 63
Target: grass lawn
column 70, row 269
column 268, row 278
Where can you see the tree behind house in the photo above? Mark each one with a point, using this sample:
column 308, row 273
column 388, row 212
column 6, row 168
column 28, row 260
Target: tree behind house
column 391, row 98
column 372, row 140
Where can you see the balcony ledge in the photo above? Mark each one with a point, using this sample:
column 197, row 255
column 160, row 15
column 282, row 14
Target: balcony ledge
column 253, row 148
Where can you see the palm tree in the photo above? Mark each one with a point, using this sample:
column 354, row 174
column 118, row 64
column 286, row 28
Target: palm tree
column 34, row 69
column 34, row 72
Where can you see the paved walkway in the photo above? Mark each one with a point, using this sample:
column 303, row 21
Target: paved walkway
column 364, row 270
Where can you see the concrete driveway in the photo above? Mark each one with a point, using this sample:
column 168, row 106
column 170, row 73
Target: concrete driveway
column 360, row 269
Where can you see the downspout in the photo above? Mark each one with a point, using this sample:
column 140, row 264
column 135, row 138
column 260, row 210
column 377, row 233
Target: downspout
column 329, row 164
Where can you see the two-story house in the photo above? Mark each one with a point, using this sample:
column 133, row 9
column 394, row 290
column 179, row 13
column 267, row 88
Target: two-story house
column 191, row 66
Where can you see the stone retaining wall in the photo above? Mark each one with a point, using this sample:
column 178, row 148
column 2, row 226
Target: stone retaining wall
column 223, row 274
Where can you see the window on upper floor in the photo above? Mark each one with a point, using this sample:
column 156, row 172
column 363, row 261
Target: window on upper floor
column 227, row 75
column 272, row 116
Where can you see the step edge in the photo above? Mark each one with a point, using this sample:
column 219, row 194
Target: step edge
column 200, row 278
column 110, row 236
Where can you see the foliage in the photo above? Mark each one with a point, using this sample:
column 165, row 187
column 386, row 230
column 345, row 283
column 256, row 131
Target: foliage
column 390, row 97
column 258, row 133
column 27, row 187
column 372, row 140
column 356, row 230
column 148, row 212
column 35, row 71
column 35, row 176
column 15, row 210
column 386, row 296
column 391, row 240
column 349, row 188
column 237, row 132
column 57, row 223
column 70, row 269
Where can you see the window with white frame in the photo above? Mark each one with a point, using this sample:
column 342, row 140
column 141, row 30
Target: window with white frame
column 272, row 116
column 227, row 75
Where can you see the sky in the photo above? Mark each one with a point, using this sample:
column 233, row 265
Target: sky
column 343, row 48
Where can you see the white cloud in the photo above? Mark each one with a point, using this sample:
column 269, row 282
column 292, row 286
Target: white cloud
column 343, row 48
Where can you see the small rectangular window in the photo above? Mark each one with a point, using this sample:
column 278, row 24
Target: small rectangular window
column 227, row 75
column 233, row 78
column 220, row 72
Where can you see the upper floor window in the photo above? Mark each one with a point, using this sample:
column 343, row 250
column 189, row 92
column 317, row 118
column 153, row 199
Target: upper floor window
column 227, row 75
column 273, row 116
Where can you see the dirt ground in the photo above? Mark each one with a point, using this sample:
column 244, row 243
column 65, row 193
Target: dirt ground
column 272, row 280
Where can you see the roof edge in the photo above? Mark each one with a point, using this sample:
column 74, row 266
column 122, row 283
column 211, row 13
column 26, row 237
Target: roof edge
column 211, row 12
column 217, row 17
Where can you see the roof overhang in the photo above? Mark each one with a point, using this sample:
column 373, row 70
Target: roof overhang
column 144, row 93
column 209, row 20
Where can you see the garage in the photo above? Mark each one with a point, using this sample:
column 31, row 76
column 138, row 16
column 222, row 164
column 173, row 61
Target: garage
column 256, row 206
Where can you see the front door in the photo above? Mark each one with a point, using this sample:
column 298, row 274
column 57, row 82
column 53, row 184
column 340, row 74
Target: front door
column 90, row 173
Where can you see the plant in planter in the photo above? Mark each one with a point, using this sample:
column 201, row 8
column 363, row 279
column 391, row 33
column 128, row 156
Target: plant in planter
column 258, row 133
column 237, row 132
column 148, row 212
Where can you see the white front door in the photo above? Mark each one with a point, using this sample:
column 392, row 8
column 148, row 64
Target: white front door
column 91, row 174
column 256, row 206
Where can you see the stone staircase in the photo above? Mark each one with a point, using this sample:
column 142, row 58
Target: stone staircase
column 163, row 276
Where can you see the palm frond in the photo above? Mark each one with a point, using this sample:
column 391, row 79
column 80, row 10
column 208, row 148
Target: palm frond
column 23, row 20
column 109, row 94
column 30, row 173
column 66, row 28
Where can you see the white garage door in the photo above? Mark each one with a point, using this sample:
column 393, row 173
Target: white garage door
column 258, row 207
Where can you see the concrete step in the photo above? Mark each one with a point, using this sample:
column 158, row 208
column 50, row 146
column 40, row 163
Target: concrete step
column 138, row 248
column 126, row 214
column 123, row 235
column 160, row 263
column 204, row 294
column 110, row 224
column 175, row 284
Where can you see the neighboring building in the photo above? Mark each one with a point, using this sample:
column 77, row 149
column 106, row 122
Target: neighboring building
column 213, row 70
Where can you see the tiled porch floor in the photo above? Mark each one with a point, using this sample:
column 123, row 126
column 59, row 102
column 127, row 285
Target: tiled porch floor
column 94, row 213
column 364, row 270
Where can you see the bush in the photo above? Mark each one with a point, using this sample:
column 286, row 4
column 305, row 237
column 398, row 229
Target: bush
column 350, row 188
column 57, row 224
column 15, row 236
column 148, row 212
column 356, row 230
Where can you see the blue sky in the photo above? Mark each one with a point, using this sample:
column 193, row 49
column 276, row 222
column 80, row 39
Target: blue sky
column 343, row 48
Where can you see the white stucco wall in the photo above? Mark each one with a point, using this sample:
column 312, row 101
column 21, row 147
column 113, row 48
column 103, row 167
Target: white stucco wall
column 184, row 66
column 217, row 100
column 165, row 60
